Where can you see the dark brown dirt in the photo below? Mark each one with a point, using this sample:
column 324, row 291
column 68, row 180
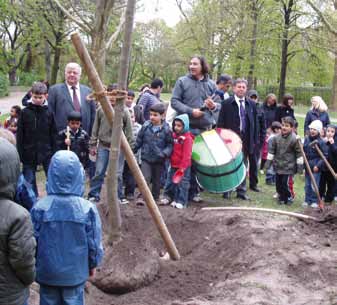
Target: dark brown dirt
column 235, row 258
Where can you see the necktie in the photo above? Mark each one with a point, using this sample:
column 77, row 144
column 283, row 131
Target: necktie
column 76, row 102
column 242, row 116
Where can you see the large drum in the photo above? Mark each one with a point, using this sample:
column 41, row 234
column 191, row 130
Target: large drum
column 218, row 158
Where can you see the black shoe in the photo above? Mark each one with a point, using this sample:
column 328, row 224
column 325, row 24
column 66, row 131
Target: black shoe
column 226, row 195
column 242, row 196
column 255, row 189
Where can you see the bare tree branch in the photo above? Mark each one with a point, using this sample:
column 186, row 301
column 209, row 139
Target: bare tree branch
column 322, row 17
column 119, row 29
column 83, row 26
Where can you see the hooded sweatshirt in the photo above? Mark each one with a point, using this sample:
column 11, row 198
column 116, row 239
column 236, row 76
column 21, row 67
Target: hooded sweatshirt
column 17, row 243
column 67, row 227
column 182, row 145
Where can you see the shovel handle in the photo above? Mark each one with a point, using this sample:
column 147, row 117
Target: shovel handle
column 326, row 161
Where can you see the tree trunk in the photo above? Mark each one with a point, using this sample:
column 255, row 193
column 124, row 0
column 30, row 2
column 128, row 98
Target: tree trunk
column 99, row 34
column 254, row 13
column 56, row 62
column 47, row 60
column 287, row 10
column 29, row 59
column 12, row 76
column 114, row 210
column 334, row 87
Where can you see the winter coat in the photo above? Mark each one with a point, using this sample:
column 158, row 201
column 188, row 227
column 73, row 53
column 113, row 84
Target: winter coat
column 313, row 115
column 155, row 145
column 182, row 145
column 79, row 143
column 17, row 242
column 147, row 100
column 311, row 153
column 190, row 93
column 283, row 111
column 332, row 154
column 269, row 114
column 66, row 226
column 36, row 134
column 285, row 153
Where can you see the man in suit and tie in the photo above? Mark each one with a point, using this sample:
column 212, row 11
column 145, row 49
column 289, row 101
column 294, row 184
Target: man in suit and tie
column 239, row 114
column 69, row 96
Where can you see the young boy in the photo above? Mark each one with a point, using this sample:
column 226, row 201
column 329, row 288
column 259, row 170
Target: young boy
column 14, row 115
column 100, row 146
column 78, row 140
column 285, row 155
column 68, row 233
column 328, row 183
column 129, row 100
column 180, row 163
column 36, row 134
column 275, row 129
column 315, row 162
column 155, row 141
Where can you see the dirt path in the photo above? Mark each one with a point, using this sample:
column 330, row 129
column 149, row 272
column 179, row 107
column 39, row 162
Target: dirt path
column 14, row 98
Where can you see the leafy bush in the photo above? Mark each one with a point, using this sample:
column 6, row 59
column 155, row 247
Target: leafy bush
column 4, row 83
column 27, row 79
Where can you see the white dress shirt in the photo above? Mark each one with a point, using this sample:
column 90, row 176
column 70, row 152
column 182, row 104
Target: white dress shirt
column 78, row 93
column 237, row 100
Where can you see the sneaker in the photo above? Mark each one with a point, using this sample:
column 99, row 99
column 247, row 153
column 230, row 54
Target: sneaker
column 173, row 204
column 197, row 198
column 179, row 206
column 275, row 196
column 261, row 171
column 281, row 202
column 124, row 201
column 314, row 205
column 305, row 204
column 164, row 201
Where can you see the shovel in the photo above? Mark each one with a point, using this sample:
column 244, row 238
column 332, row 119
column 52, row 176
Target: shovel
column 312, row 178
column 315, row 145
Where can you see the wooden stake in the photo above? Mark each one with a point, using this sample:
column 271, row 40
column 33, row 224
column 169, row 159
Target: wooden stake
column 109, row 113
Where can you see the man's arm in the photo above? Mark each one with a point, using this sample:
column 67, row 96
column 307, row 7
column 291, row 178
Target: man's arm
column 177, row 98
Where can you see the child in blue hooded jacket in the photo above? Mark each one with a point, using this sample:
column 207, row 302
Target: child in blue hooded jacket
column 68, row 233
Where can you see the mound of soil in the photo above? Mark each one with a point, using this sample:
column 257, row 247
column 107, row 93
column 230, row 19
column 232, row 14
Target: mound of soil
column 227, row 258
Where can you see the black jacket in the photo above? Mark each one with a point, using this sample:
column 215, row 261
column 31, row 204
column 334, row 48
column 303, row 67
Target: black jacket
column 269, row 114
column 79, row 144
column 36, row 134
column 283, row 111
column 229, row 118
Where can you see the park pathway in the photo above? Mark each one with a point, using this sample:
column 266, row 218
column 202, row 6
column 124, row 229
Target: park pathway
column 14, row 98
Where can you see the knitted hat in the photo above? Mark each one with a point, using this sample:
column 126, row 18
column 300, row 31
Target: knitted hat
column 317, row 125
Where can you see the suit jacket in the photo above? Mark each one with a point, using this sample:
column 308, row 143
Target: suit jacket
column 61, row 104
column 229, row 118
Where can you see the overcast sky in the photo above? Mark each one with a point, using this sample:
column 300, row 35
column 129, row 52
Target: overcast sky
column 164, row 9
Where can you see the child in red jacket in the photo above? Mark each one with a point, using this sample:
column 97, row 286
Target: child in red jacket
column 178, row 180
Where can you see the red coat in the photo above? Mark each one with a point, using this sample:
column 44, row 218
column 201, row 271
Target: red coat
column 182, row 150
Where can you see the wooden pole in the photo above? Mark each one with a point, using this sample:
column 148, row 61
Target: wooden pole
column 291, row 214
column 109, row 113
column 312, row 178
column 326, row 161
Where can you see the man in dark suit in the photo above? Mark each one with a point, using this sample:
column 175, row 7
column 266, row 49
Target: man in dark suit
column 239, row 114
column 71, row 96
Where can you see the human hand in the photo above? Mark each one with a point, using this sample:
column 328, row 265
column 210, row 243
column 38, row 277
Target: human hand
column 209, row 103
column 67, row 142
column 331, row 141
column 197, row 113
column 316, row 169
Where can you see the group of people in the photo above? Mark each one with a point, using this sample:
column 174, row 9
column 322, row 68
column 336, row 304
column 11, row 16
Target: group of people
column 64, row 117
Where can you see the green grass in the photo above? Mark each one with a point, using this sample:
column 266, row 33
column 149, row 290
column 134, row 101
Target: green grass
column 3, row 118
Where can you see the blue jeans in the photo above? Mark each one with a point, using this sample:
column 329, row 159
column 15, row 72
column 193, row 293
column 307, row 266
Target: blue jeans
column 102, row 162
column 58, row 295
column 29, row 172
column 270, row 175
column 178, row 192
column 310, row 195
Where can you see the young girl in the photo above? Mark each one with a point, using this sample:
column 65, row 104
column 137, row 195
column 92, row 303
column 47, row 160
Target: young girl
column 327, row 187
column 315, row 162
column 14, row 115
